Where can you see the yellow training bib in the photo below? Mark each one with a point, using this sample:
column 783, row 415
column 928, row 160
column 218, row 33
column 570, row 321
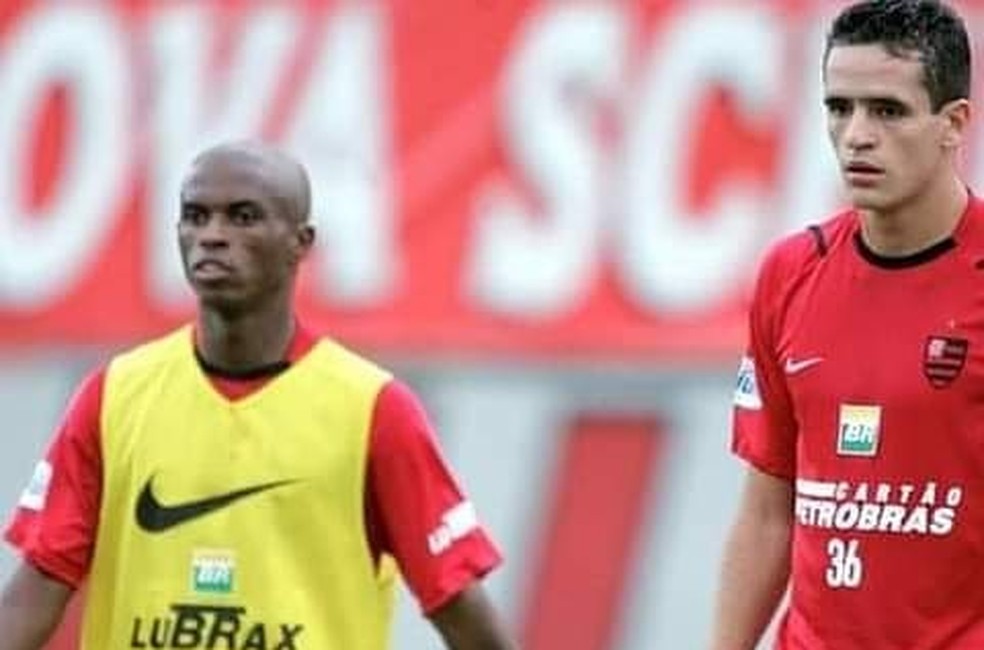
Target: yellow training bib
column 236, row 524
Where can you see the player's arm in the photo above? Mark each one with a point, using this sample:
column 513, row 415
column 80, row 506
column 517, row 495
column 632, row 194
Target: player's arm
column 54, row 525
column 755, row 567
column 756, row 560
column 429, row 526
column 30, row 608
column 469, row 622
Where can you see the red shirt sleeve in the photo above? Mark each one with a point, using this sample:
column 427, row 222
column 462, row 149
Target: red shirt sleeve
column 764, row 431
column 417, row 511
column 54, row 523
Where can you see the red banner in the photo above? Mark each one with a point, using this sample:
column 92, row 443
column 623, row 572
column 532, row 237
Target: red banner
column 491, row 177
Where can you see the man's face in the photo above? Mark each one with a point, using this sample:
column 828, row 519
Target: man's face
column 239, row 243
column 889, row 142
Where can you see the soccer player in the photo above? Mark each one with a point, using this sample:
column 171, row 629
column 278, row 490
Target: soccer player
column 860, row 404
column 244, row 482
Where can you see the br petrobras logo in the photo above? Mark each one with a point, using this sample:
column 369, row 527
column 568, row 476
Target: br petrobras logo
column 943, row 359
column 213, row 571
column 858, row 430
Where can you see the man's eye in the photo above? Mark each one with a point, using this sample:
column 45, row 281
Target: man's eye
column 193, row 215
column 837, row 108
column 889, row 111
column 245, row 215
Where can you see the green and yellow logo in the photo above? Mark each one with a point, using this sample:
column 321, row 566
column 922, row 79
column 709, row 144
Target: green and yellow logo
column 858, row 430
column 213, row 572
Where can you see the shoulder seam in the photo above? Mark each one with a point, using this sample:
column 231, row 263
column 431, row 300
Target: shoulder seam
column 819, row 240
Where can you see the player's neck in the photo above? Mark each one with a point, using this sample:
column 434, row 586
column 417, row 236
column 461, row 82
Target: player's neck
column 245, row 341
column 918, row 224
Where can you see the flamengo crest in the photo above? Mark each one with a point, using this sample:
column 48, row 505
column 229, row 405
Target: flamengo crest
column 943, row 359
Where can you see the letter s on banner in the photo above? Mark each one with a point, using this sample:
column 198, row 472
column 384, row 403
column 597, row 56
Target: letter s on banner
column 534, row 266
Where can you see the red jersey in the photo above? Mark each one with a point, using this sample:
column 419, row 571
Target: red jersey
column 409, row 492
column 864, row 385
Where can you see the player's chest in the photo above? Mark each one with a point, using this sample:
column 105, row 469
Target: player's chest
column 198, row 438
column 870, row 354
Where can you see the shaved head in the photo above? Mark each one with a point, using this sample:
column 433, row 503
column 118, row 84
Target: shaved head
column 280, row 175
column 244, row 226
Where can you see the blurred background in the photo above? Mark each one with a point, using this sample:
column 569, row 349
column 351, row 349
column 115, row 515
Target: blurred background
column 545, row 215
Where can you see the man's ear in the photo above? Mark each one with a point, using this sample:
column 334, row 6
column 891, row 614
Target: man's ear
column 304, row 239
column 957, row 115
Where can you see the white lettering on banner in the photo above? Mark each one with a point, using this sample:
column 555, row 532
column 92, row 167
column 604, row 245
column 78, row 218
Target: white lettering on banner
column 671, row 260
column 192, row 108
column 527, row 263
column 342, row 133
column 80, row 48
column 567, row 62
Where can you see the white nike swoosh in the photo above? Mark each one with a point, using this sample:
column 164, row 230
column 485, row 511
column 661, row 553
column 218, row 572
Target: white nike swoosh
column 796, row 366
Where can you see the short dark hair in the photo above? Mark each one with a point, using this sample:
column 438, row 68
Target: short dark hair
column 928, row 28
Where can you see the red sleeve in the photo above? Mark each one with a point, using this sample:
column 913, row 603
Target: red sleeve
column 764, row 431
column 419, row 514
column 54, row 523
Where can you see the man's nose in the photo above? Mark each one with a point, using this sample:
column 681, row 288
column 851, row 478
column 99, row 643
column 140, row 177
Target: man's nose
column 859, row 133
column 214, row 234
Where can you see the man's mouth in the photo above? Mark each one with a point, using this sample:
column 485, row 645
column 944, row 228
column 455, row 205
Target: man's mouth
column 211, row 269
column 863, row 168
column 862, row 174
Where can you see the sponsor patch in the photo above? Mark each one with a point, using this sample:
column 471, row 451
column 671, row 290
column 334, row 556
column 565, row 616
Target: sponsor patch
column 456, row 523
column 36, row 493
column 213, row 571
column 858, row 430
column 191, row 625
column 746, row 388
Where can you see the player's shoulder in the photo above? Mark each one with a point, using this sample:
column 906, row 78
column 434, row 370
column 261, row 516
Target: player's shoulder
column 151, row 354
column 800, row 252
column 970, row 232
column 813, row 242
column 86, row 399
column 337, row 362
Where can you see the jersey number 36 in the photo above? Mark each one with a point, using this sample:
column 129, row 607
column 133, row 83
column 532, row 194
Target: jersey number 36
column 845, row 568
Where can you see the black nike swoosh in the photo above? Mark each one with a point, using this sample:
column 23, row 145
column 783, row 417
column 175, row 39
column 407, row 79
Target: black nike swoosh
column 155, row 517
